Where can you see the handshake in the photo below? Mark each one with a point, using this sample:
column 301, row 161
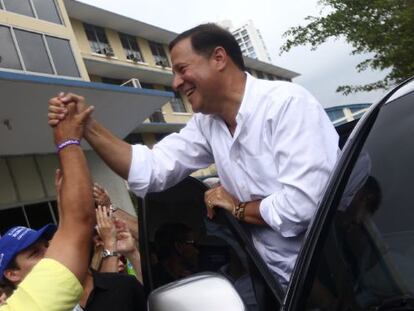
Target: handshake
column 69, row 115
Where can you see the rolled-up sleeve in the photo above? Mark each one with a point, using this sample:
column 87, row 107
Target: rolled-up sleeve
column 305, row 150
column 170, row 160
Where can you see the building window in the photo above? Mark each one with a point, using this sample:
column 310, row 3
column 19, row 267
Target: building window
column 131, row 48
column 159, row 54
column 33, row 216
column 47, row 10
column 23, row 7
column 8, row 52
column 98, row 40
column 42, row 9
column 112, row 81
column 62, row 56
column 176, row 102
column 29, row 51
column 33, row 51
column 260, row 74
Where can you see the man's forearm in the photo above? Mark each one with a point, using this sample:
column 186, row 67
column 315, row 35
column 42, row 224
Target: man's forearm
column 76, row 194
column 252, row 213
column 116, row 153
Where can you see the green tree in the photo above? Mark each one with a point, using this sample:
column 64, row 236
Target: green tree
column 384, row 28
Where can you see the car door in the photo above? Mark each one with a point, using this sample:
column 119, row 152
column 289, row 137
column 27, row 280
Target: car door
column 359, row 250
column 223, row 244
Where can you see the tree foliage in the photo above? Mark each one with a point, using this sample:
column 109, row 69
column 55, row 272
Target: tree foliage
column 384, row 28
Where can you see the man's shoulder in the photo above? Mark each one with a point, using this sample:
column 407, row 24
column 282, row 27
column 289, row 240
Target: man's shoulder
column 280, row 89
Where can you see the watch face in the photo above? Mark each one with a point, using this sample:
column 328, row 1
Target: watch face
column 106, row 253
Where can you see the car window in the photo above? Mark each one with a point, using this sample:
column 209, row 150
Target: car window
column 177, row 229
column 367, row 256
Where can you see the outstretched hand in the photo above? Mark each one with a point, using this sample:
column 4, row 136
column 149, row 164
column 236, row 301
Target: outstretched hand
column 73, row 125
column 101, row 196
column 58, row 107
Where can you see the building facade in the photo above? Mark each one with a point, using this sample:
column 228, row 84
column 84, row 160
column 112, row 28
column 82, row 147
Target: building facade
column 250, row 40
column 73, row 43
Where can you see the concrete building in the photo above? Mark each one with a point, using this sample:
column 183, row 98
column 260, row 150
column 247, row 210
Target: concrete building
column 249, row 39
column 48, row 46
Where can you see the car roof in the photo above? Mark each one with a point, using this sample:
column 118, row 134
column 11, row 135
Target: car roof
column 403, row 89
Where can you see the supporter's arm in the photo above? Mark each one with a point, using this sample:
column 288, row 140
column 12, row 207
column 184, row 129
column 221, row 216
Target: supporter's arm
column 71, row 243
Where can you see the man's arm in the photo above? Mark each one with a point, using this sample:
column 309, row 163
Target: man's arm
column 115, row 152
column 72, row 241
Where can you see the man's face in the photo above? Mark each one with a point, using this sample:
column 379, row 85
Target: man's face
column 28, row 258
column 189, row 252
column 195, row 76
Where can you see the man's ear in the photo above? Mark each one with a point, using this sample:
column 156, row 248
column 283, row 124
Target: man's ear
column 13, row 275
column 219, row 57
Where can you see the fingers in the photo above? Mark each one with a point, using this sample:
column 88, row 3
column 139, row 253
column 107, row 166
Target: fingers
column 86, row 114
column 69, row 97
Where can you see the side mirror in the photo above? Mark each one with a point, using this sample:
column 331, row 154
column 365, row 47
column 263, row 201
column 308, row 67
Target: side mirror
column 203, row 291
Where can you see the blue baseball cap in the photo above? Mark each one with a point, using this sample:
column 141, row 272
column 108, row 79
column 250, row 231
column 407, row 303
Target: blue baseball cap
column 18, row 239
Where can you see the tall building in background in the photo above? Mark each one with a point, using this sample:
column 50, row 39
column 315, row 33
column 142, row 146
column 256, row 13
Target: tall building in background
column 48, row 46
column 249, row 39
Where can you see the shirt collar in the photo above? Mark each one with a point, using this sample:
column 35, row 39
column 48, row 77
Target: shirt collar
column 245, row 106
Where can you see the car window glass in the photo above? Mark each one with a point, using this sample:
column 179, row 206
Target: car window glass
column 367, row 256
column 178, row 230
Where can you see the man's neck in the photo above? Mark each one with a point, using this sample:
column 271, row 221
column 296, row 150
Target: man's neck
column 232, row 99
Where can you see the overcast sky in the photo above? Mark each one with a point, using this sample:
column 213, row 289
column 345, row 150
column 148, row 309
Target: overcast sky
column 321, row 70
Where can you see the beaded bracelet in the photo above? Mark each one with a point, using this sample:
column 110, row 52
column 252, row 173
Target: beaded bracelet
column 239, row 210
column 66, row 143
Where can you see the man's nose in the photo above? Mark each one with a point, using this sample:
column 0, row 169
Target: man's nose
column 177, row 82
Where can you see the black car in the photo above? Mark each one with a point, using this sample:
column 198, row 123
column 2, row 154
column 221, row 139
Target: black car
column 358, row 253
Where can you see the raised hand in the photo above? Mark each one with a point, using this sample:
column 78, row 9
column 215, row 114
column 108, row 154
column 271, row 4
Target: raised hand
column 58, row 109
column 125, row 242
column 106, row 227
column 73, row 125
column 101, row 196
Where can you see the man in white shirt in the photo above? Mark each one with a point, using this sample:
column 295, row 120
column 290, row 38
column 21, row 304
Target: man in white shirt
column 272, row 143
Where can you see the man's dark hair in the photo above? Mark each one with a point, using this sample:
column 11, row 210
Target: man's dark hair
column 167, row 236
column 206, row 37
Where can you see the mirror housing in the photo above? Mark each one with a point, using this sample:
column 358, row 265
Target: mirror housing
column 201, row 292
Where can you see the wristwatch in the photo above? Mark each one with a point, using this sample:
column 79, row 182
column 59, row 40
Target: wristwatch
column 107, row 253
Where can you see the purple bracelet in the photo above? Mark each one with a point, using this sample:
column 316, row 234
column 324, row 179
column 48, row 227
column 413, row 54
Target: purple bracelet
column 67, row 143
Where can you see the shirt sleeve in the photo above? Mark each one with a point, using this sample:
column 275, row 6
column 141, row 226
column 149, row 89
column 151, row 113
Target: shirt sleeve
column 170, row 160
column 305, row 150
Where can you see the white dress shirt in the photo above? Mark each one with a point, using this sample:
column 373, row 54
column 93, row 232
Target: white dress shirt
column 282, row 152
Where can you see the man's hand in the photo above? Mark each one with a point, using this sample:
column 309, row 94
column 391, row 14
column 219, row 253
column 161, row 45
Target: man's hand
column 58, row 109
column 106, row 227
column 101, row 196
column 126, row 244
column 219, row 197
column 73, row 126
